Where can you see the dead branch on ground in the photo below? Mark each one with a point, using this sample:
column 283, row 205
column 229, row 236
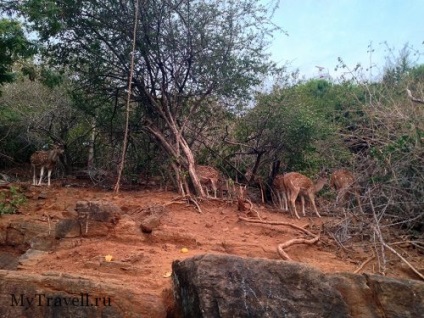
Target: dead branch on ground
column 280, row 247
column 185, row 199
column 369, row 259
column 284, row 255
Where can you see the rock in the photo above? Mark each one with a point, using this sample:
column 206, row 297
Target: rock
column 379, row 296
column 67, row 228
column 62, row 295
column 21, row 234
column 30, row 258
column 231, row 286
column 95, row 218
column 98, row 211
column 149, row 223
column 43, row 242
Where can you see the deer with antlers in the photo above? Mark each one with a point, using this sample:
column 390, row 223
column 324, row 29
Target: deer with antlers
column 45, row 159
column 293, row 184
column 344, row 182
column 208, row 175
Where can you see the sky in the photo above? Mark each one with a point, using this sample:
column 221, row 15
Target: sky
column 320, row 31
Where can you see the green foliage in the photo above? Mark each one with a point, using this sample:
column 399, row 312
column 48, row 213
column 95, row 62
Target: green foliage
column 296, row 124
column 11, row 200
column 51, row 78
column 13, row 47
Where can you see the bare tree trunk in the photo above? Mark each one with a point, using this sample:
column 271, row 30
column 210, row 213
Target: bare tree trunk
column 90, row 160
column 192, row 168
column 182, row 156
column 127, row 117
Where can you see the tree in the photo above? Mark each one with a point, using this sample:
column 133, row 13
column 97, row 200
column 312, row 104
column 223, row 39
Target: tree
column 186, row 52
column 13, row 47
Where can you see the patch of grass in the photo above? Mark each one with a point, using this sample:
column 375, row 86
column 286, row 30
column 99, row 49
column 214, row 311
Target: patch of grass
column 11, row 200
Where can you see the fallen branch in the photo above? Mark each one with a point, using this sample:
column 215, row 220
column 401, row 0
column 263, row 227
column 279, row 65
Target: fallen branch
column 391, row 249
column 280, row 247
column 278, row 223
column 251, row 209
column 186, row 198
column 284, row 255
column 369, row 259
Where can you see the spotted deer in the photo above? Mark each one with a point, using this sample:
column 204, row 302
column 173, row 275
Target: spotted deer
column 344, row 182
column 280, row 192
column 45, row 159
column 208, row 175
column 294, row 184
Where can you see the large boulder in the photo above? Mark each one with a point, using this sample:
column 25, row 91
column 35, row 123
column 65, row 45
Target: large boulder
column 231, row 286
column 64, row 295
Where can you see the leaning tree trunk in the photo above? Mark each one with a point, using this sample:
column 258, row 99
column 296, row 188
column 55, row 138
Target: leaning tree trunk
column 191, row 164
column 182, row 157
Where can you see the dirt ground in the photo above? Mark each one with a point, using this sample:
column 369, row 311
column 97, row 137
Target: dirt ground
column 217, row 229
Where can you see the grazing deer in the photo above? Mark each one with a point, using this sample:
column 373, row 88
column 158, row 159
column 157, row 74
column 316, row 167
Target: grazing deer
column 296, row 184
column 344, row 182
column 45, row 159
column 208, row 175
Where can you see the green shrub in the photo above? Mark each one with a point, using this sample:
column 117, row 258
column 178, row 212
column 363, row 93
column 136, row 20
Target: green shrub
column 11, row 200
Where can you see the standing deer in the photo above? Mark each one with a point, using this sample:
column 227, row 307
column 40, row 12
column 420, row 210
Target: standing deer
column 295, row 184
column 208, row 175
column 344, row 182
column 280, row 191
column 45, row 159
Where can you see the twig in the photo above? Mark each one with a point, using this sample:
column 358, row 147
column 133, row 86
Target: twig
column 280, row 247
column 369, row 259
column 188, row 199
column 377, row 231
column 191, row 199
column 251, row 209
column 278, row 223
column 391, row 249
column 48, row 220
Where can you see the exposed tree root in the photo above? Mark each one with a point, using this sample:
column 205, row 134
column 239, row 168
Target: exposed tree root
column 280, row 247
column 369, row 259
column 284, row 255
column 185, row 199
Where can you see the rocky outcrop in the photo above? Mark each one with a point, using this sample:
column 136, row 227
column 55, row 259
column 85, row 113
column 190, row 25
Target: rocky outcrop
column 64, row 295
column 231, row 286
column 94, row 218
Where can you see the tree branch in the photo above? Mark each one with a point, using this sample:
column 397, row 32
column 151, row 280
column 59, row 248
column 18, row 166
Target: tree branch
column 415, row 100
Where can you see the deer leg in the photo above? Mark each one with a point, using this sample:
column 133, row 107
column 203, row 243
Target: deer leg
column 302, row 199
column 41, row 175
column 214, row 188
column 285, row 200
column 293, row 197
column 49, row 173
column 34, row 182
column 312, row 199
column 262, row 193
column 279, row 200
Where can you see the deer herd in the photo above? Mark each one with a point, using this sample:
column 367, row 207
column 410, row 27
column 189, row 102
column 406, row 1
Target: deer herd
column 285, row 187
